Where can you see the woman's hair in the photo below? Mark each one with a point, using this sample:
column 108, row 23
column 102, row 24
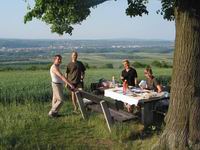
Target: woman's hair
column 149, row 70
column 74, row 51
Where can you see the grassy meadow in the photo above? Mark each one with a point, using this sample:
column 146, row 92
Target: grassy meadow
column 25, row 99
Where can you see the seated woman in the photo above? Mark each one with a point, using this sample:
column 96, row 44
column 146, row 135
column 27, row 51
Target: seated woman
column 151, row 83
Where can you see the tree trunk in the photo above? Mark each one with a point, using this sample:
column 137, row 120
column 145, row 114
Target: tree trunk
column 182, row 131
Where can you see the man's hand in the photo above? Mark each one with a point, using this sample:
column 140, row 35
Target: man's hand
column 72, row 88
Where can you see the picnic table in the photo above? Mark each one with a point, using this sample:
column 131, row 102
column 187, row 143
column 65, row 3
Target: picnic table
column 108, row 104
column 146, row 99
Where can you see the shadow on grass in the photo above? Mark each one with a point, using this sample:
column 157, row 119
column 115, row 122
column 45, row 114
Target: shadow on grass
column 147, row 132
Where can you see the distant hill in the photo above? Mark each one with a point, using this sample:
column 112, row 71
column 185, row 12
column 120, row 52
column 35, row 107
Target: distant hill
column 20, row 54
column 85, row 45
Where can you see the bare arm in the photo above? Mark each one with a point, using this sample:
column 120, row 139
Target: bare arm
column 56, row 70
column 159, row 88
column 136, row 81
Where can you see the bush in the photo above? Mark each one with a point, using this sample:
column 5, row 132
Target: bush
column 139, row 65
column 156, row 63
column 108, row 66
column 32, row 68
column 161, row 64
column 165, row 65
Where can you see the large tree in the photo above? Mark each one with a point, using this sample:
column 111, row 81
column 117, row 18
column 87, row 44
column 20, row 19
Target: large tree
column 182, row 129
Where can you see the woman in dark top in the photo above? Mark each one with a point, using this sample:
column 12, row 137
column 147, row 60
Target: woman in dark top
column 129, row 74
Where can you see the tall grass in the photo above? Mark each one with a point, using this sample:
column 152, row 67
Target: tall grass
column 19, row 86
column 29, row 85
column 24, row 104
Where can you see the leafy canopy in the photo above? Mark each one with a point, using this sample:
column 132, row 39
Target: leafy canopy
column 61, row 15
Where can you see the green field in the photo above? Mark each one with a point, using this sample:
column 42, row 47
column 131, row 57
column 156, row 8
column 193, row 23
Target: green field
column 35, row 85
column 94, row 60
column 25, row 99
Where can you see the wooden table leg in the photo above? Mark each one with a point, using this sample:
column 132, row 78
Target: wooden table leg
column 81, row 105
column 147, row 114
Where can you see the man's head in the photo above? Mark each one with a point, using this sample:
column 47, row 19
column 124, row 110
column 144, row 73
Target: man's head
column 74, row 56
column 57, row 59
column 126, row 63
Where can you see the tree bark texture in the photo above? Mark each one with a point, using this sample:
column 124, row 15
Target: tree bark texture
column 182, row 131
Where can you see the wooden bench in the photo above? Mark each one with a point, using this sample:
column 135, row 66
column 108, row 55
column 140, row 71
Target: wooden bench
column 110, row 110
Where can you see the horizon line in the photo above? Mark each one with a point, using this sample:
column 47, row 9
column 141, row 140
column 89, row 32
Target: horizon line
column 57, row 39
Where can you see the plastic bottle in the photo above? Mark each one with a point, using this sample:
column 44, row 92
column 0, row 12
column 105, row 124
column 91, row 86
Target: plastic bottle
column 124, row 86
column 113, row 81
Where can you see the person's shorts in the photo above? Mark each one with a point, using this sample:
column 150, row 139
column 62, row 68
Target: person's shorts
column 77, row 85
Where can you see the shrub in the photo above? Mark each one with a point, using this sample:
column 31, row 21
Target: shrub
column 137, row 64
column 161, row 64
column 108, row 66
column 156, row 64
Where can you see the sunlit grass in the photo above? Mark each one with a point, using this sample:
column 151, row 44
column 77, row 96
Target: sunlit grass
column 25, row 99
column 27, row 126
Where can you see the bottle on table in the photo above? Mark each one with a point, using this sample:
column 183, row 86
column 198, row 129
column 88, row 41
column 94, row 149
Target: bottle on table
column 113, row 81
column 125, row 85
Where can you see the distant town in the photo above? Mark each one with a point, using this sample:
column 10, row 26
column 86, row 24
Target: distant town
column 29, row 45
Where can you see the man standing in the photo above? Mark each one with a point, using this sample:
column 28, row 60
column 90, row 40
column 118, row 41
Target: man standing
column 57, row 85
column 75, row 74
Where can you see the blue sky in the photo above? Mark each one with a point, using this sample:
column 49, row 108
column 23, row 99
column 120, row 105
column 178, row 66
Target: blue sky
column 107, row 21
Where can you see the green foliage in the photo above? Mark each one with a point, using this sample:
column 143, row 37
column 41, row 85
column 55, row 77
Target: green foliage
column 168, row 9
column 22, row 67
column 33, row 68
column 165, row 65
column 136, row 8
column 109, row 65
column 63, row 14
column 161, row 64
column 7, row 68
column 137, row 64
column 156, row 63
column 60, row 14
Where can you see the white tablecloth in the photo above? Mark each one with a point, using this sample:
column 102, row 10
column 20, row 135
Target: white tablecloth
column 132, row 96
